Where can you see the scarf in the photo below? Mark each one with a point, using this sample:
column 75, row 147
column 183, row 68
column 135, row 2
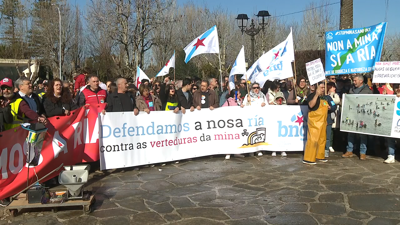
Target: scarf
column 301, row 92
column 358, row 90
column 257, row 96
column 149, row 102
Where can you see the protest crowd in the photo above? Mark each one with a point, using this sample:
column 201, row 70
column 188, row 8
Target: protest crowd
column 37, row 101
column 22, row 101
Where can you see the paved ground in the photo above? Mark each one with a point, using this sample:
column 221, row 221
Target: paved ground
column 251, row 190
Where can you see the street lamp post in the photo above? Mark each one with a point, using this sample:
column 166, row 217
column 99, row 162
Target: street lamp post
column 59, row 28
column 253, row 30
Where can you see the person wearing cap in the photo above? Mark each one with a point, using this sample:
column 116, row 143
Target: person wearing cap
column 272, row 92
column 20, row 105
column 5, row 110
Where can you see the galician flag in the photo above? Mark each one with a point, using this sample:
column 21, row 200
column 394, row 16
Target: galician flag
column 205, row 43
column 239, row 67
column 170, row 64
column 140, row 75
column 276, row 64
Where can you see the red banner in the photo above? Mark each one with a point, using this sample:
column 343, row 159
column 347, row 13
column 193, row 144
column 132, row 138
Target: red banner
column 69, row 140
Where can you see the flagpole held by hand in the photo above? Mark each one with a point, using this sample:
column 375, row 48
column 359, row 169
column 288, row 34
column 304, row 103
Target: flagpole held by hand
column 220, row 69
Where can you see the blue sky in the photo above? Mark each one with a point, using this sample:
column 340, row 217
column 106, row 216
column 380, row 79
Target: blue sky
column 366, row 12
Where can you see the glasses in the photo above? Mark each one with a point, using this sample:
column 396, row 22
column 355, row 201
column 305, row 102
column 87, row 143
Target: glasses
column 256, row 87
column 333, row 78
column 6, row 88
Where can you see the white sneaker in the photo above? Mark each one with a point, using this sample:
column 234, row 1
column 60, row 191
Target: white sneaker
column 390, row 159
column 331, row 149
column 273, row 154
column 283, row 154
column 227, row 156
column 260, row 154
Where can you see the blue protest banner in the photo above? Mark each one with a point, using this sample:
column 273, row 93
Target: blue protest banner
column 353, row 50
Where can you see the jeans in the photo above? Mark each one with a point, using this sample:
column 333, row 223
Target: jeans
column 391, row 142
column 328, row 139
column 363, row 142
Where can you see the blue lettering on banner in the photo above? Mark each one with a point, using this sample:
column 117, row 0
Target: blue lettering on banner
column 107, row 131
column 297, row 128
column 353, row 50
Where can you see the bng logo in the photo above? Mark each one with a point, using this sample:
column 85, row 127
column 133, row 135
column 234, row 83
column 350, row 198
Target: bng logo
column 297, row 127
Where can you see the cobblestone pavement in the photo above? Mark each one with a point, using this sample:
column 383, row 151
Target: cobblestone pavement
column 250, row 190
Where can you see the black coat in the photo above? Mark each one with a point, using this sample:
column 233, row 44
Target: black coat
column 5, row 116
column 185, row 103
column 114, row 103
column 58, row 108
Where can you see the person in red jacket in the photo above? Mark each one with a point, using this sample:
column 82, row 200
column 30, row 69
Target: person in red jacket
column 80, row 80
column 92, row 94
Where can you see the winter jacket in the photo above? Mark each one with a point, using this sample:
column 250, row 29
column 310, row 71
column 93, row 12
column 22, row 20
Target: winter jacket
column 58, row 108
column 212, row 99
column 364, row 90
column 80, row 81
column 141, row 103
column 5, row 116
column 88, row 97
column 114, row 103
column 185, row 103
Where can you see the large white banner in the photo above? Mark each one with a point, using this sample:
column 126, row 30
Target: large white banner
column 127, row 140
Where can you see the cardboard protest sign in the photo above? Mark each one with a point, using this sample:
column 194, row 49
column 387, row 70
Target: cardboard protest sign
column 387, row 72
column 315, row 71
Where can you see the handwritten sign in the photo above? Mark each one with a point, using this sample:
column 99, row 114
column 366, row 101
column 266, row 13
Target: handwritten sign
column 387, row 72
column 315, row 71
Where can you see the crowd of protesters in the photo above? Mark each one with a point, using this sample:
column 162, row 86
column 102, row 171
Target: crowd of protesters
column 20, row 101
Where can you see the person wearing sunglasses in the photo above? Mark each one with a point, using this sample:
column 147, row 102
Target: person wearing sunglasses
column 5, row 109
column 256, row 99
column 20, row 107
column 195, row 87
column 332, row 79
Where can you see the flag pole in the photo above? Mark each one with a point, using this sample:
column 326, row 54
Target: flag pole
column 295, row 78
column 220, row 69
column 174, row 67
column 247, row 86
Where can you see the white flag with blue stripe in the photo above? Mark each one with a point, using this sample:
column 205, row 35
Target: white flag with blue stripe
column 239, row 67
column 205, row 43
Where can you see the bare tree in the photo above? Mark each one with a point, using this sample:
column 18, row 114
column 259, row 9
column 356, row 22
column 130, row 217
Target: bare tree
column 45, row 33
